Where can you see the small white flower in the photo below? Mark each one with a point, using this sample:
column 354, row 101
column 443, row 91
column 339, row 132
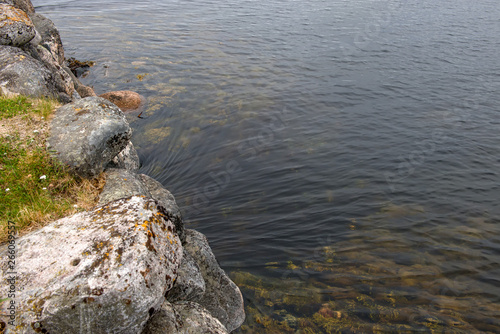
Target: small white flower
column 36, row 131
column 43, row 177
column 44, row 188
column 7, row 189
column 75, row 206
column 43, row 117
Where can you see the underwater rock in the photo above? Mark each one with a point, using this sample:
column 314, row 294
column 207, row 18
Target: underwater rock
column 183, row 318
column 126, row 159
column 87, row 134
column 102, row 271
column 79, row 68
column 16, row 28
column 126, row 100
column 222, row 297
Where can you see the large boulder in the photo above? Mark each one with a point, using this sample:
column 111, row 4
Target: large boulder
column 64, row 82
column 122, row 183
column 167, row 200
column 16, row 28
column 103, row 271
column 50, row 38
column 24, row 5
column 87, row 134
column 184, row 318
column 222, row 298
column 189, row 284
column 22, row 74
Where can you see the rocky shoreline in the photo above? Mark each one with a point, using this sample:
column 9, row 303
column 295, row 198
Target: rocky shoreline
column 128, row 265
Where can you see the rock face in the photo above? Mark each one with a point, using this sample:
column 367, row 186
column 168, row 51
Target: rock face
column 16, row 28
column 50, row 36
column 40, row 71
column 199, row 276
column 22, row 74
column 190, row 284
column 184, row 318
column 124, row 99
column 24, row 5
column 126, row 159
column 222, row 298
column 87, row 134
column 121, row 183
column 106, row 269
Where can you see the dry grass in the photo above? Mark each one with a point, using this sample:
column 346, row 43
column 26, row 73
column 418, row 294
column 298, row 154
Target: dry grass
column 35, row 189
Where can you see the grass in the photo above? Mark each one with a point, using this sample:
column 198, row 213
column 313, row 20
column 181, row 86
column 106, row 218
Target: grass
column 34, row 188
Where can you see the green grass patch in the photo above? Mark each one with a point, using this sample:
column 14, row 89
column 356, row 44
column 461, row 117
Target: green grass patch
column 22, row 105
column 14, row 106
column 34, row 188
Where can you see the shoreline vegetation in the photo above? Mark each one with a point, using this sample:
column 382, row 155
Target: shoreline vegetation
column 35, row 189
column 85, row 238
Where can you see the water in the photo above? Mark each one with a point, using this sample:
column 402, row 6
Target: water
column 342, row 157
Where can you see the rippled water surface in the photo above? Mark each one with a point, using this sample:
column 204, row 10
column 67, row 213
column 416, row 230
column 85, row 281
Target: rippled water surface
column 342, row 157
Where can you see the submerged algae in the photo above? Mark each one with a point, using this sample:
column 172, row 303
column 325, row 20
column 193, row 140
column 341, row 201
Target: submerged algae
column 374, row 282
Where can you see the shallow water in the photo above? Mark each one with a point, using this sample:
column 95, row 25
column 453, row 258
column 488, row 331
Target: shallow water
column 342, row 157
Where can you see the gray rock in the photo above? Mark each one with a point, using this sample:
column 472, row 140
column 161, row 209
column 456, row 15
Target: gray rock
column 16, row 28
column 103, row 271
column 83, row 91
column 63, row 81
column 126, row 159
column 48, row 48
column 222, row 297
column 24, row 5
column 22, row 74
column 87, row 134
column 184, row 318
column 121, row 183
column 50, row 37
column 167, row 200
column 189, row 284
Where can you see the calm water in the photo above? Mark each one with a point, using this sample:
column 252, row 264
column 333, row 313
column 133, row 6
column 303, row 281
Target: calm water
column 342, row 156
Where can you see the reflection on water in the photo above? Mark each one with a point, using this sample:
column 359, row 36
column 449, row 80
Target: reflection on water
column 340, row 156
